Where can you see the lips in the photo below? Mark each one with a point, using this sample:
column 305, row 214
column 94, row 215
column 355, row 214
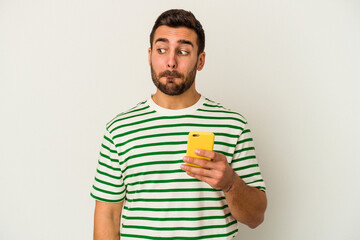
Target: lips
column 170, row 80
column 170, row 74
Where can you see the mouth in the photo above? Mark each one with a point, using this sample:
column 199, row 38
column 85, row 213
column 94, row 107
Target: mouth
column 170, row 79
column 170, row 75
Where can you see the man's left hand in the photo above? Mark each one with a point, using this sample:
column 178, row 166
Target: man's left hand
column 217, row 172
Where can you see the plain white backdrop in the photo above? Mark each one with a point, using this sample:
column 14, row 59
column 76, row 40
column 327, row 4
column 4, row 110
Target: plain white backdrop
column 291, row 67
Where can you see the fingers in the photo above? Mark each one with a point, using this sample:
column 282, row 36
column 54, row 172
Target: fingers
column 200, row 177
column 210, row 154
column 216, row 179
column 199, row 162
column 218, row 161
column 203, row 169
column 205, row 175
column 214, row 172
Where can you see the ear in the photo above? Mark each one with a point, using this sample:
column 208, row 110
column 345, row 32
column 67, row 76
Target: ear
column 201, row 61
column 149, row 59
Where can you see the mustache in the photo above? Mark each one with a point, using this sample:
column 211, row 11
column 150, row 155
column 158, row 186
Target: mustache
column 168, row 73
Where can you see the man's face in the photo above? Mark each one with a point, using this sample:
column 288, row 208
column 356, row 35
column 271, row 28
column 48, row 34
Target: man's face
column 173, row 59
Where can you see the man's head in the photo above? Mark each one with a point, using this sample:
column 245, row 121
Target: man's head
column 180, row 18
column 176, row 51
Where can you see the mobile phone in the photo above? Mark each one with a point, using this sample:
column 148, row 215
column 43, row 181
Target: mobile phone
column 199, row 140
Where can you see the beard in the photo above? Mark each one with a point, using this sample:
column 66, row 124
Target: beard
column 170, row 87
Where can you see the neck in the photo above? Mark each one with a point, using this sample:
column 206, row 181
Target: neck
column 187, row 99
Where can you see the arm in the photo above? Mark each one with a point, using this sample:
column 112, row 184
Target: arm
column 247, row 204
column 107, row 220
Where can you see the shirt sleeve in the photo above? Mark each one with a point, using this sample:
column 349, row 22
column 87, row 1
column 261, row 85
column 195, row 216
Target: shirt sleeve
column 244, row 161
column 108, row 184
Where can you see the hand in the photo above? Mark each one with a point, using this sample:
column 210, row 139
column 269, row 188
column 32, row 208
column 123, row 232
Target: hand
column 217, row 172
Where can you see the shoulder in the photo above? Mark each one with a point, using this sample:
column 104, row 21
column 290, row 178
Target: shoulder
column 130, row 113
column 217, row 108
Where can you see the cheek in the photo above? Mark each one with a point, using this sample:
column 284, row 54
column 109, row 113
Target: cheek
column 157, row 62
column 189, row 66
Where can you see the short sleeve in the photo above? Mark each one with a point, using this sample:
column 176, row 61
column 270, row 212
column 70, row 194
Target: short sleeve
column 244, row 161
column 108, row 184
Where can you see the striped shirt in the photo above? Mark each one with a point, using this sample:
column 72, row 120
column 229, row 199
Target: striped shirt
column 140, row 160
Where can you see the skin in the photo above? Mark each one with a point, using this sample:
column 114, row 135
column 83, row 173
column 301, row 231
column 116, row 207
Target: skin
column 247, row 204
column 175, row 49
column 107, row 220
column 170, row 53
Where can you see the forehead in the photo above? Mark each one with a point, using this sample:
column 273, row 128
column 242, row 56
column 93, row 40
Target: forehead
column 175, row 34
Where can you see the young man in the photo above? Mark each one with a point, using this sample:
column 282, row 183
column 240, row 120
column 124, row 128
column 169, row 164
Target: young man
column 143, row 182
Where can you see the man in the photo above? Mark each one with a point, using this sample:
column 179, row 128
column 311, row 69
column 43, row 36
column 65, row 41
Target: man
column 143, row 182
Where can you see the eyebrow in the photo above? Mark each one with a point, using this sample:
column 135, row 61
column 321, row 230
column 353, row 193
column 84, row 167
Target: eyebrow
column 181, row 41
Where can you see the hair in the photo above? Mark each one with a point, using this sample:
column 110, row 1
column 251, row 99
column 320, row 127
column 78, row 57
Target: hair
column 180, row 18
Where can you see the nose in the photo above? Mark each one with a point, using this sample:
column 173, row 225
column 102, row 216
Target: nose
column 171, row 63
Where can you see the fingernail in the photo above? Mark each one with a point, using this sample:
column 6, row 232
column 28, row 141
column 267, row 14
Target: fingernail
column 197, row 151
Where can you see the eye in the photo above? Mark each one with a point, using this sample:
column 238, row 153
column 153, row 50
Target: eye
column 183, row 52
column 161, row 50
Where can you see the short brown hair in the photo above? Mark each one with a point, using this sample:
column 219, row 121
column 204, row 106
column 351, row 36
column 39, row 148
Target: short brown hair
column 180, row 18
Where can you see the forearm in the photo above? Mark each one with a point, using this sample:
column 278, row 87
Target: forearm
column 247, row 204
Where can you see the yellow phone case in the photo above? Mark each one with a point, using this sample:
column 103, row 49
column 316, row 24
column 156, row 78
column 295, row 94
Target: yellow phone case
column 199, row 140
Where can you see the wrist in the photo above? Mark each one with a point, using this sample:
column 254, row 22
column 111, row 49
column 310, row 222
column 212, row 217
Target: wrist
column 227, row 189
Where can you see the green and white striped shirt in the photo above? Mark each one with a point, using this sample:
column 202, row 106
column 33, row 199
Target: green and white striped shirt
column 140, row 160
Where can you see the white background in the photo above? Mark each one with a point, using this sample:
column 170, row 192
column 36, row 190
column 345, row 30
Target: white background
column 291, row 67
